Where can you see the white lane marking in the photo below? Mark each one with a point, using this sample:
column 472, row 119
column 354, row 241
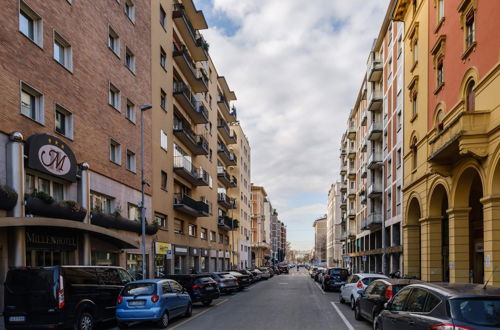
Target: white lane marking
column 323, row 292
column 349, row 326
column 282, row 283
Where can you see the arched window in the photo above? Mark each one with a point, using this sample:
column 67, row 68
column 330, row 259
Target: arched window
column 470, row 96
column 413, row 148
column 439, row 120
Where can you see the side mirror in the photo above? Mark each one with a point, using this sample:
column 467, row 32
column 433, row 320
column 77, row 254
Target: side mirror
column 387, row 305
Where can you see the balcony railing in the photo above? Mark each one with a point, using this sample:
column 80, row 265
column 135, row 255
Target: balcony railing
column 194, row 76
column 185, row 169
column 227, row 157
column 375, row 99
column 193, row 107
column 351, row 191
column 375, row 131
column 193, row 39
column 373, row 220
column 351, row 132
column 197, row 144
column 374, row 190
column 187, row 205
column 375, row 68
column 352, row 172
column 225, row 178
column 227, row 202
column 227, row 223
column 374, row 160
column 225, row 131
column 224, row 106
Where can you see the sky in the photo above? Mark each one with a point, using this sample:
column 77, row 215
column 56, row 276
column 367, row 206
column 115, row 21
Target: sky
column 296, row 67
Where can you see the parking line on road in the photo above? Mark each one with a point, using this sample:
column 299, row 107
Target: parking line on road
column 323, row 292
column 349, row 326
column 198, row 314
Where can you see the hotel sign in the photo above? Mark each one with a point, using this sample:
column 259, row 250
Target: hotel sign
column 44, row 240
column 51, row 155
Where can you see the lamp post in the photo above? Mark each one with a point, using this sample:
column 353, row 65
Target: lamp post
column 143, row 108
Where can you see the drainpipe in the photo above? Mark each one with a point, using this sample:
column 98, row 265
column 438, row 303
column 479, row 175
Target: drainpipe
column 15, row 179
column 84, row 201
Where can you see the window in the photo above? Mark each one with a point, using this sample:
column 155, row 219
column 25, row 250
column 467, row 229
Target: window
column 31, row 103
column 440, row 72
column 178, row 226
column 164, row 180
column 414, row 104
column 192, row 230
column 203, row 233
column 163, row 17
column 416, row 301
column 398, row 158
column 470, row 96
column 53, row 188
column 398, row 200
column 30, row 24
column 399, row 301
column 415, row 51
column 439, row 120
column 130, row 113
column 163, row 140
column 129, row 59
column 163, row 100
column 470, row 32
column 161, row 220
column 100, row 203
column 114, row 97
column 398, row 121
column 221, row 238
column 114, row 41
column 64, row 122
column 212, row 236
column 163, row 58
column 413, row 149
column 133, row 212
column 130, row 161
column 130, row 10
column 62, row 52
column 115, row 151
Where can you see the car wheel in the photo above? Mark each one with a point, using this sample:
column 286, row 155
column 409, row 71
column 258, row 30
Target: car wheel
column 353, row 303
column 357, row 312
column 377, row 326
column 207, row 302
column 341, row 299
column 164, row 320
column 84, row 321
column 189, row 310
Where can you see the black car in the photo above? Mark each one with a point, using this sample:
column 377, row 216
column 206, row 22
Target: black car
column 334, row 278
column 201, row 287
column 243, row 280
column 249, row 273
column 442, row 306
column 75, row 297
column 372, row 300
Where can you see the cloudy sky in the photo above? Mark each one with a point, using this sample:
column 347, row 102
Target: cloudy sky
column 296, row 68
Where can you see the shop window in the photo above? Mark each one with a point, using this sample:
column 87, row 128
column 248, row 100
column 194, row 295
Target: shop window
column 64, row 122
column 31, row 103
column 178, row 226
column 133, row 212
column 134, row 265
column 30, row 24
column 100, row 258
column 161, row 220
column 63, row 52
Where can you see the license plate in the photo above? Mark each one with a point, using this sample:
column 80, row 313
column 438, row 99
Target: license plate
column 17, row 318
column 136, row 303
column 208, row 288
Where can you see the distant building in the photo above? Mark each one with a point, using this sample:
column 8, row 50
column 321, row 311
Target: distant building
column 319, row 255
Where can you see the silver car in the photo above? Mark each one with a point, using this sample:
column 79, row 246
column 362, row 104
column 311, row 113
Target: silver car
column 226, row 282
column 356, row 282
column 265, row 273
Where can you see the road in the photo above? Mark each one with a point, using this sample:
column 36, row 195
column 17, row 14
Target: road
column 290, row 302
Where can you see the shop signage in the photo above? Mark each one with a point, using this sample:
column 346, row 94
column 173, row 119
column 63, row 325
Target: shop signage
column 180, row 250
column 162, row 248
column 204, row 252
column 45, row 240
column 194, row 251
column 227, row 254
column 51, row 155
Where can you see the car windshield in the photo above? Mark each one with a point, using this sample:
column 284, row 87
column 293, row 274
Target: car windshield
column 342, row 273
column 203, row 280
column 480, row 312
column 139, row 289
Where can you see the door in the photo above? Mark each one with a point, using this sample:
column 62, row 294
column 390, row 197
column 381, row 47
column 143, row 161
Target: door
column 349, row 287
column 394, row 318
column 169, row 298
column 416, row 308
column 179, row 302
column 373, row 299
column 364, row 304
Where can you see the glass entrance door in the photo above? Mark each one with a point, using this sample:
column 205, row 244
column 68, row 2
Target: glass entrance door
column 45, row 258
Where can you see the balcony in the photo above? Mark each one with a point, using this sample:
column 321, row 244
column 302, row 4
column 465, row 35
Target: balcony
column 227, row 111
column 375, row 68
column 351, row 214
column 351, row 191
column 197, row 46
column 195, row 78
column 364, row 116
column 374, row 220
column 351, row 151
column 352, row 172
column 374, row 190
column 197, row 144
column 186, row 170
column 343, row 202
column 194, row 108
column 351, row 132
column 375, row 100
column 375, row 131
column 225, row 132
column 187, row 205
column 363, row 197
column 227, row 223
column 343, row 186
column 364, row 144
column 225, row 201
column 375, row 160
column 227, row 157
column 227, row 180
column 343, row 169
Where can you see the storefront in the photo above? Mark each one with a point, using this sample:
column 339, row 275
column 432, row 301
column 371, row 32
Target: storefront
column 204, row 260
column 220, row 261
column 227, row 261
column 213, row 260
column 55, row 247
column 163, row 259
column 180, row 259
column 194, row 258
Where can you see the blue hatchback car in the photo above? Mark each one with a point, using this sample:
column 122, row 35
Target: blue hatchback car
column 157, row 300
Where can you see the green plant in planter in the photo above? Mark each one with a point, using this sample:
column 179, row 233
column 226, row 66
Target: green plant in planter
column 7, row 192
column 75, row 207
column 96, row 209
column 42, row 196
column 118, row 210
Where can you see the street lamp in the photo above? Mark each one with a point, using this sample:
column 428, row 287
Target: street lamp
column 143, row 108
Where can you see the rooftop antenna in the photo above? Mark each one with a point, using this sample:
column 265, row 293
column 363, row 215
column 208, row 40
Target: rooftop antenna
column 485, row 284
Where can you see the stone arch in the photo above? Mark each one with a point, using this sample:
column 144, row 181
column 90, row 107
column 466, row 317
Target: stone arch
column 439, row 114
column 493, row 185
column 463, row 180
column 412, row 240
column 438, row 192
column 471, row 74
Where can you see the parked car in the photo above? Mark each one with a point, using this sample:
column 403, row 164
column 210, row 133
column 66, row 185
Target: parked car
column 155, row 300
column 284, row 269
column 265, row 273
column 243, row 280
column 276, row 270
column 355, row 283
column 257, row 273
column 319, row 274
column 442, row 306
column 227, row 283
column 334, row 278
column 62, row 296
column 249, row 273
column 371, row 300
column 201, row 287
column 312, row 271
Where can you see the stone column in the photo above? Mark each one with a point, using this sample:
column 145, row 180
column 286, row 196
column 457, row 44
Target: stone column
column 431, row 261
column 411, row 250
column 15, row 179
column 459, row 245
column 84, row 201
column 491, row 211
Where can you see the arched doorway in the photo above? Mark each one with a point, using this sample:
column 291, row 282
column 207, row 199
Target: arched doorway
column 439, row 223
column 412, row 237
column 469, row 192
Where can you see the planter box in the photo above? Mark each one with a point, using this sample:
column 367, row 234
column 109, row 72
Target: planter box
column 38, row 207
column 8, row 199
column 121, row 223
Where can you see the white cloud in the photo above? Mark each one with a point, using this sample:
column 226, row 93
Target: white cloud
column 296, row 67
